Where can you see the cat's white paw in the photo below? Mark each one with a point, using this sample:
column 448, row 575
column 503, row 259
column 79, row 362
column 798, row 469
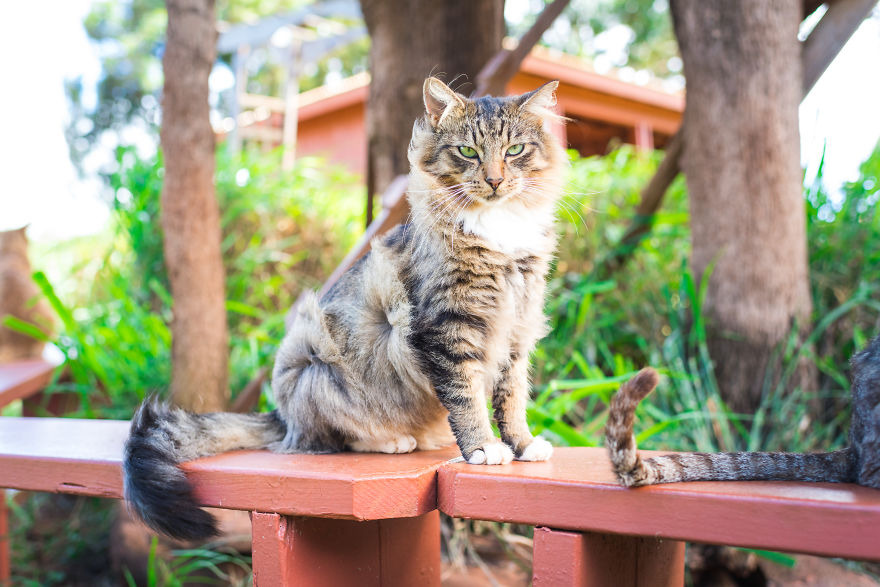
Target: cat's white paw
column 539, row 450
column 401, row 444
column 492, row 453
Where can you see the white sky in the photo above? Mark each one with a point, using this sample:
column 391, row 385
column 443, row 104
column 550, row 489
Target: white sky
column 40, row 47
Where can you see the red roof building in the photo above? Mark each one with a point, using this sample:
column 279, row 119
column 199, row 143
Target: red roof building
column 602, row 111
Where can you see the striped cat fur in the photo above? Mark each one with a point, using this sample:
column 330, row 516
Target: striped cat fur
column 857, row 463
column 405, row 349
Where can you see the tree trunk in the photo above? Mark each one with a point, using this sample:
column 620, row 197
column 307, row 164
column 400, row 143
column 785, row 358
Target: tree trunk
column 741, row 160
column 190, row 217
column 410, row 41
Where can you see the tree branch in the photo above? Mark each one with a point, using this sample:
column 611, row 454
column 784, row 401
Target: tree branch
column 832, row 32
column 493, row 78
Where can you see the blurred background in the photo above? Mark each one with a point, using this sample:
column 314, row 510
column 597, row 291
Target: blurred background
column 300, row 173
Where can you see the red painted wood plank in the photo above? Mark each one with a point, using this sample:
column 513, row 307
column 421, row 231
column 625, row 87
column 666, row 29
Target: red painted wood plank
column 23, row 378
column 576, row 490
column 345, row 485
column 85, row 457
column 62, row 455
column 574, row 559
column 315, row 551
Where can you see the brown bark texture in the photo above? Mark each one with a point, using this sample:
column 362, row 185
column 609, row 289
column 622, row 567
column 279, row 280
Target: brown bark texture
column 410, row 41
column 190, row 216
column 741, row 160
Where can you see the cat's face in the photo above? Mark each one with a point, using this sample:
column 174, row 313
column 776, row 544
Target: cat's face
column 486, row 152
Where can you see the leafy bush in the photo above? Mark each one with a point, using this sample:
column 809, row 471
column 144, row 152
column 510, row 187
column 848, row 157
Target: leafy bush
column 649, row 313
column 282, row 232
column 844, row 234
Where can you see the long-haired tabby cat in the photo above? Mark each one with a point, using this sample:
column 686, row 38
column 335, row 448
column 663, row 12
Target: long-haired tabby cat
column 18, row 298
column 403, row 352
column 857, row 463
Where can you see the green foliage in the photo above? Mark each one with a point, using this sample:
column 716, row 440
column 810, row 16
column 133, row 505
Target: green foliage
column 845, row 259
column 644, row 26
column 47, row 532
column 601, row 331
column 282, row 233
column 186, row 567
column 592, row 320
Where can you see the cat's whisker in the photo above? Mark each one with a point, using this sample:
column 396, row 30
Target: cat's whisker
column 456, row 220
column 439, row 189
column 441, row 213
column 442, row 202
column 572, row 213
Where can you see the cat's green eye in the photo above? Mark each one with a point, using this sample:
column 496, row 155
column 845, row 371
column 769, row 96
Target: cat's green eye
column 515, row 149
column 468, row 152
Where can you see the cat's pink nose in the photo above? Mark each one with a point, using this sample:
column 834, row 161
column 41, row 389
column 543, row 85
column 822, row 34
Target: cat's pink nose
column 494, row 182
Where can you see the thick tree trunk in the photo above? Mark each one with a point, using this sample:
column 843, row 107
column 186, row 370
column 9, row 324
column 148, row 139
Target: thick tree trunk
column 410, row 41
column 190, row 217
column 741, row 160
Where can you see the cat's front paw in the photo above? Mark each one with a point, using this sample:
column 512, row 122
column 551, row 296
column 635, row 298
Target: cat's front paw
column 539, row 450
column 491, row 453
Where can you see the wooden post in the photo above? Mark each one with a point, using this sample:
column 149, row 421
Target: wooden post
column 575, row 559
column 291, row 102
column 322, row 551
column 5, row 565
column 239, row 66
column 643, row 136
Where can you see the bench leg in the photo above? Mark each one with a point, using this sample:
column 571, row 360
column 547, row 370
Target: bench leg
column 56, row 404
column 575, row 559
column 290, row 550
column 5, row 563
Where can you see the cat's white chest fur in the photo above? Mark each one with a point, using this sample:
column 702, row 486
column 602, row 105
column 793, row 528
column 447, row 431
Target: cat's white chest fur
column 509, row 228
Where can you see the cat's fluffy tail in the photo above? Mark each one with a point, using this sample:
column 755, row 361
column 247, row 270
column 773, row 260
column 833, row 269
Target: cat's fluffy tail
column 633, row 471
column 161, row 438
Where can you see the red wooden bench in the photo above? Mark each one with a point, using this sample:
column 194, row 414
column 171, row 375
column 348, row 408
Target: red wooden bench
column 369, row 519
column 22, row 380
column 343, row 519
column 25, row 380
column 591, row 531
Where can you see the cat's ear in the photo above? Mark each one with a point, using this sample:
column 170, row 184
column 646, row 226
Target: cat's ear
column 440, row 100
column 541, row 101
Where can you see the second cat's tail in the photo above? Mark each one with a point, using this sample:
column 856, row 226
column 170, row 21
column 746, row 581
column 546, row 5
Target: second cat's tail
column 161, row 438
column 632, row 470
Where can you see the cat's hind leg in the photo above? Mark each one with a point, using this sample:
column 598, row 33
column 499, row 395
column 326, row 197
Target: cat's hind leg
column 436, row 434
column 394, row 445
